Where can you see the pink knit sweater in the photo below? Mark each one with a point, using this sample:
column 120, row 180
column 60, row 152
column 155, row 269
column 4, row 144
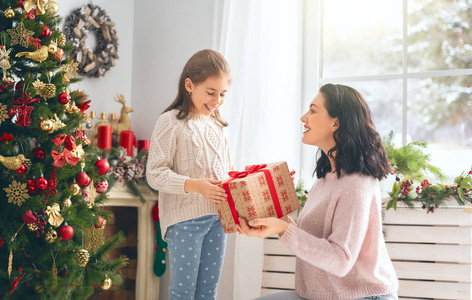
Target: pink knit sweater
column 338, row 241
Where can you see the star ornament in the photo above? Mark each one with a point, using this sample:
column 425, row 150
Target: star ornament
column 20, row 35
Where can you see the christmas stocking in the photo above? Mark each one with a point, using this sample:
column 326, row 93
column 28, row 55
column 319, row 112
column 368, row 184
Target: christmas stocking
column 161, row 245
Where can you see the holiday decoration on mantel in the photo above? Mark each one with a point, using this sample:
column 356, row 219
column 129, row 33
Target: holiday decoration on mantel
column 47, row 165
column 92, row 62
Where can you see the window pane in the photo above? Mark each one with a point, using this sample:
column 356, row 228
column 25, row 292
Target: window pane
column 362, row 37
column 439, row 35
column 439, row 111
column 384, row 98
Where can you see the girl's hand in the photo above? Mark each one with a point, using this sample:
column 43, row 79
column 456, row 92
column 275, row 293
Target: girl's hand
column 208, row 188
column 263, row 227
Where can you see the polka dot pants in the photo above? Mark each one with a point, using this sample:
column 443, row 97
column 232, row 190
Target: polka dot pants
column 196, row 250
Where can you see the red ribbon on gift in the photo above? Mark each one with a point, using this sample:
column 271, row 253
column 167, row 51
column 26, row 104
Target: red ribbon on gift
column 252, row 169
column 61, row 158
column 69, row 139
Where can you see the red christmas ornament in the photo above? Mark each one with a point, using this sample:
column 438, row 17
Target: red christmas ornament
column 58, row 55
column 39, row 153
column 103, row 166
column 20, row 4
column 86, row 195
column 66, row 232
column 11, row 113
column 23, row 111
column 63, row 98
column 32, row 186
column 99, row 222
column 101, row 186
column 21, row 170
column 83, row 179
column 1, row 242
column 31, row 14
column 46, row 31
column 41, row 183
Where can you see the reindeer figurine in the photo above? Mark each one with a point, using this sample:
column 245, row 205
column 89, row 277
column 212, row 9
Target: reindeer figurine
column 125, row 121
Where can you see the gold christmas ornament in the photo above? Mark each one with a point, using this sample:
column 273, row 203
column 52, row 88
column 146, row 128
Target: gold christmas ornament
column 55, row 217
column 19, row 35
column 54, row 271
column 61, row 41
column 78, row 152
column 51, row 125
column 10, row 263
column 13, row 162
column 70, row 71
column 9, row 13
column 5, row 61
column 48, row 91
column 51, row 236
column 72, row 108
column 3, row 113
column 82, row 257
column 75, row 188
column 32, row 227
column 52, row 47
column 39, row 55
column 93, row 238
column 52, row 7
column 17, row 193
column 66, row 203
column 106, row 283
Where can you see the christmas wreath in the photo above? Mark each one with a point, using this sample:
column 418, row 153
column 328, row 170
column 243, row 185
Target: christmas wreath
column 91, row 18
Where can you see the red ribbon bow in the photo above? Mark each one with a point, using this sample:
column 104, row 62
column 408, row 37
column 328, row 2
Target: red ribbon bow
column 6, row 137
column 61, row 158
column 270, row 182
column 251, row 169
column 69, row 139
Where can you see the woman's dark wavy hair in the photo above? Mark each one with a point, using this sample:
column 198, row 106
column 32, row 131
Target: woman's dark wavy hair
column 203, row 64
column 359, row 147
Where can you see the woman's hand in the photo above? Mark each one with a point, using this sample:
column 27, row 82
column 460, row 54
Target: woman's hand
column 208, row 188
column 263, row 227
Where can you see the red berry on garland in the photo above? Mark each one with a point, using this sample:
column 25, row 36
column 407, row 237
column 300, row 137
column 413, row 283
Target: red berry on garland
column 38, row 153
column 83, row 179
column 46, row 31
column 101, row 186
column 1, row 242
column 41, row 183
column 66, row 232
column 103, row 166
column 21, row 170
column 32, row 186
column 99, row 222
column 63, row 98
column 470, row 172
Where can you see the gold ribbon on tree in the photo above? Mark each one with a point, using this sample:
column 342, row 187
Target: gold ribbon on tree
column 29, row 4
column 55, row 217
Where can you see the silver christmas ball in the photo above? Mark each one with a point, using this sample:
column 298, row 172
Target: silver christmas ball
column 88, row 125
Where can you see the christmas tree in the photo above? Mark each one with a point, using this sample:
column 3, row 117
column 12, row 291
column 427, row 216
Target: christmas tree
column 51, row 178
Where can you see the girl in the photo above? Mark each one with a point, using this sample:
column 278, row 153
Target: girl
column 188, row 158
column 338, row 240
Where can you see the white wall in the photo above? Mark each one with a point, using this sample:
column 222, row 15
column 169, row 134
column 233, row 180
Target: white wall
column 117, row 80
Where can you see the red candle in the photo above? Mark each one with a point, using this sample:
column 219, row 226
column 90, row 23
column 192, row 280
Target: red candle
column 127, row 141
column 104, row 137
column 143, row 144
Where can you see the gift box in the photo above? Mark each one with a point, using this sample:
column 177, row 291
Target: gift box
column 259, row 192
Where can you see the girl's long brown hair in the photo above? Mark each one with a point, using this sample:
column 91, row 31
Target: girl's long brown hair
column 203, row 64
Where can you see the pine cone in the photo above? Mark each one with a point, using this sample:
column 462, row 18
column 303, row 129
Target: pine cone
column 130, row 171
column 118, row 172
column 61, row 41
column 82, row 257
column 140, row 171
column 48, row 91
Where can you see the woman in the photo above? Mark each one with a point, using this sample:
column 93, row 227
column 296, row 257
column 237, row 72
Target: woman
column 338, row 240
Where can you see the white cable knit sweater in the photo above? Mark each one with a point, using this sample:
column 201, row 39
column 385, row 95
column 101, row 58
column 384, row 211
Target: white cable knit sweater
column 196, row 147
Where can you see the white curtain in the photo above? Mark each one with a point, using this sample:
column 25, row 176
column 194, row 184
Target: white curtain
column 262, row 41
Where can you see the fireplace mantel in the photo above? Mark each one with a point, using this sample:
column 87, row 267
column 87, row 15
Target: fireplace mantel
column 147, row 283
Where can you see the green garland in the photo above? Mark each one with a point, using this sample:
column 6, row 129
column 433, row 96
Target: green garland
column 409, row 165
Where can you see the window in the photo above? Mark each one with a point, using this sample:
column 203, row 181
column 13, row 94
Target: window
column 410, row 59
